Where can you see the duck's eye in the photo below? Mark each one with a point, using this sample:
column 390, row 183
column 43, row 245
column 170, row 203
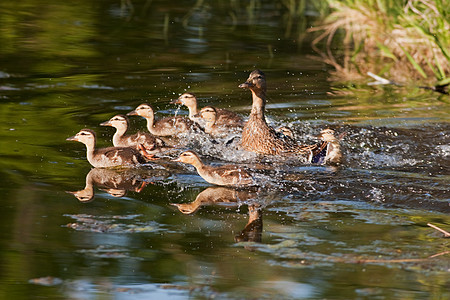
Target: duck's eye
column 83, row 133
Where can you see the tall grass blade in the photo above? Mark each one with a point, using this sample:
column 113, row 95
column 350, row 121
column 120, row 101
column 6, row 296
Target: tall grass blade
column 414, row 63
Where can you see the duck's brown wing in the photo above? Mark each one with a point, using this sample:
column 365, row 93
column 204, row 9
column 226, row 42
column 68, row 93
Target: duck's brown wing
column 228, row 118
column 147, row 140
column 231, row 171
column 125, row 155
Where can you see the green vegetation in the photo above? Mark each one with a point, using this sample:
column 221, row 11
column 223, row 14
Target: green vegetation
column 406, row 41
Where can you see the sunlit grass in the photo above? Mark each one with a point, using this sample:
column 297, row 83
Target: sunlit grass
column 406, row 41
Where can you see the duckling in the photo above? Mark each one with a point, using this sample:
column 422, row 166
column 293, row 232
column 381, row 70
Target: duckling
column 165, row 127
column 111, row 181
column 224, row 117
column 259, row 137
column 333, row 154
column 209, row 115
column 216, row 195
column 107, row 157
column 227, row 175
column 148, row 141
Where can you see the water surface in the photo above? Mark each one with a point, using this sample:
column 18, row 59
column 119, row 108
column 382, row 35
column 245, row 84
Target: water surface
column 309, row 232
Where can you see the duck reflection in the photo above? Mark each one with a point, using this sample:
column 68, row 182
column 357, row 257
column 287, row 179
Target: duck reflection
column 116, row 182
column 252, row 232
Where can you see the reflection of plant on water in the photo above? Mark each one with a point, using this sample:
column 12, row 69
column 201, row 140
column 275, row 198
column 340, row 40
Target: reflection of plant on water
column 117, row 182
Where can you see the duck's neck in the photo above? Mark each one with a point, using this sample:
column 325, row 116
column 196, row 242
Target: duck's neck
column 90, row 150
column 150, row 120
column 120, row 132
column 192, row 110
column 198, row 164
column 259, row 103
column 209, row 126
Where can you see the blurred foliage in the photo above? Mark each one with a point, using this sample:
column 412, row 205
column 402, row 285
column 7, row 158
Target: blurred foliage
column 406, row 41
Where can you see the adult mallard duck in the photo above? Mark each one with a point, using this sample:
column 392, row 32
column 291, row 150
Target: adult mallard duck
column 209, row 115
column 168, row 126
column 227, row 175
column 107, row 157
column 224, row 117
column 331, row 153
column 151, row 143
column 257, row 135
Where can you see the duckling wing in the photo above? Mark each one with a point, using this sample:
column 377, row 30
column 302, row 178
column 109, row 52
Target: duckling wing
column 122, row 155
column 147, row 140
column 226, row 117
column 232, row 171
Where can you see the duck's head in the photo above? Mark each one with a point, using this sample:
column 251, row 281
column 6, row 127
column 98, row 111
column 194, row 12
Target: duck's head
column 187, row 99
column 208, row 113
column 327, row 135
column 188, row 157
column 143, row 110
column 256, row 81
column 117, row 121
column 83, row 136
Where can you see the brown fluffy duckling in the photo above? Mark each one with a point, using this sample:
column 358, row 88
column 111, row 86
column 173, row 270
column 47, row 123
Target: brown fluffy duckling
column 333, row 154
column 168, row 126
column 209, row 115
column 224, row 117
column 257, row 135
column 151, row 143
column 227, row 175
column 107, row 157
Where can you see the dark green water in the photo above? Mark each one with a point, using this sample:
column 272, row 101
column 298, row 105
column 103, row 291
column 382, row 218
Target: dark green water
column 310, row 232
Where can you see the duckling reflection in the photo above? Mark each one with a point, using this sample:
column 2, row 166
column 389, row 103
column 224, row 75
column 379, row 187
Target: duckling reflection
column 116, row 182
column 216, row 195
column 252, row 232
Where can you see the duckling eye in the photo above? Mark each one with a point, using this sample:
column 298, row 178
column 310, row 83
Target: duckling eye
column 83, row 133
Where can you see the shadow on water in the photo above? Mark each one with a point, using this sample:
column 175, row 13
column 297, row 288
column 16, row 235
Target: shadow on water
column 305, row 232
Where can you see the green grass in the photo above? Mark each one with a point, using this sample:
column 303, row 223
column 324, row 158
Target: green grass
column 406, row 41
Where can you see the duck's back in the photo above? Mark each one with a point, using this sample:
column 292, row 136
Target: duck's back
column 228, row 118
column 115, row 157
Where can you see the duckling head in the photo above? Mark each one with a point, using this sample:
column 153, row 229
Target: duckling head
column 327, row 135
column 208, row 113
column 85, row 195
column 256, row 81
column 143, row 110
column 117, row 121
column 189, row 157
column 187, row 99
column 85, row 136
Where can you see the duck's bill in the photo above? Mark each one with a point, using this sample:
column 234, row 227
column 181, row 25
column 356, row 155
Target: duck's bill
column 72, row 138
column 245, row 85
column 176, row 159
column 132, row 113
column 107, row 123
